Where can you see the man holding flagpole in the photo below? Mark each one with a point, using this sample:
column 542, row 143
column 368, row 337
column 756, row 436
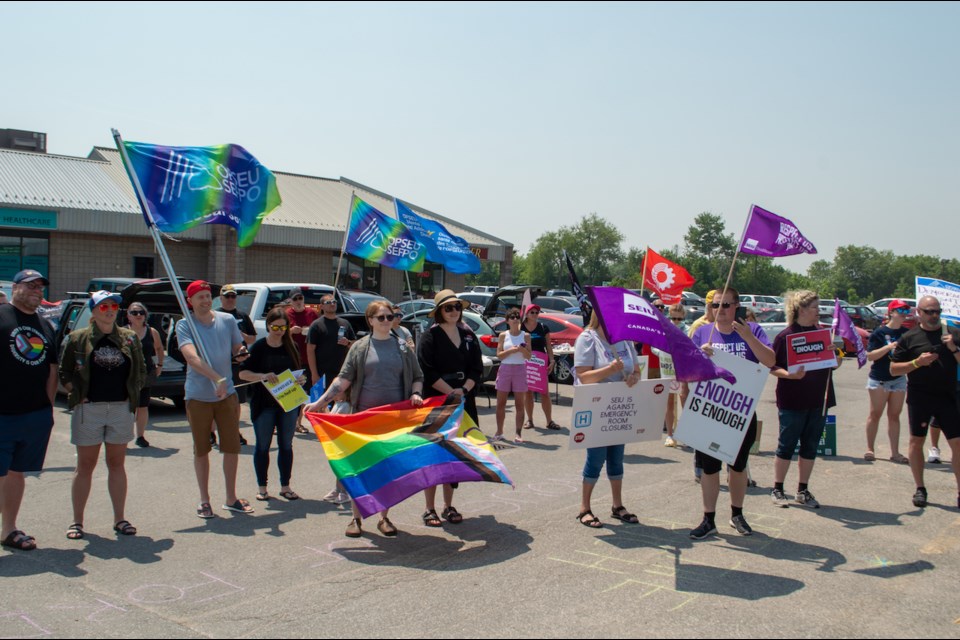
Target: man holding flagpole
column 210, row 394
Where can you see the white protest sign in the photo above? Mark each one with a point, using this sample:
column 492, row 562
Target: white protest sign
column 613, row 413
column 947, row 293
column 716, row 415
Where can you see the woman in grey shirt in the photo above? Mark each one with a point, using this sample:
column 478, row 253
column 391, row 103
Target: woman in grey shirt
column 380, row 368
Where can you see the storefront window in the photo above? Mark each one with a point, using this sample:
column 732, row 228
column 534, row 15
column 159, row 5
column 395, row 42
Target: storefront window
column 23, row 251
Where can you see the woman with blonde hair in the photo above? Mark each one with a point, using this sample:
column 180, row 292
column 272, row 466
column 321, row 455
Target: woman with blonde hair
column 802, row 400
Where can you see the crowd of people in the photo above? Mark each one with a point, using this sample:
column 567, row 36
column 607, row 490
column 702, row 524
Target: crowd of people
column 107, row 371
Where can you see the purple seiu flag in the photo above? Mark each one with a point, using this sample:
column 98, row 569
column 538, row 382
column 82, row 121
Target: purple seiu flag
column 624, row 315
column 773, row 236
column 843, row 327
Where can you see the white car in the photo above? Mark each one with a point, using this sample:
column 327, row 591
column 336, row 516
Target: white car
column 880, row 306
column 257, row 298
column 757, row 302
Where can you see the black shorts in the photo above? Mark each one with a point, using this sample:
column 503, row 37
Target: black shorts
column 924, row 410
column 144, row 400
column 711, row 465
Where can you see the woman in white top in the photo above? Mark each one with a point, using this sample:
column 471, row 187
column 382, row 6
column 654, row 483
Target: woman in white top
column 513, row 349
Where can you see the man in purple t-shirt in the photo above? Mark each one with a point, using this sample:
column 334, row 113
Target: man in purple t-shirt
column 744, row 340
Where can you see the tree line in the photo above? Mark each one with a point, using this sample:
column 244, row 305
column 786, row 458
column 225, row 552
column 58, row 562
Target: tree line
column 857, row 274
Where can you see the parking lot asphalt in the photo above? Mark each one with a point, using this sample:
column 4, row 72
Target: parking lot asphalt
column 867, row 564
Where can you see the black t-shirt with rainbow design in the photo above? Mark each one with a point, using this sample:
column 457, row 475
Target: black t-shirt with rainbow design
column 27, row 349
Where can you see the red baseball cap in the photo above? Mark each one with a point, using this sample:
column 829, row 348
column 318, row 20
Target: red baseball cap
column 897, row 304
column 196, row 287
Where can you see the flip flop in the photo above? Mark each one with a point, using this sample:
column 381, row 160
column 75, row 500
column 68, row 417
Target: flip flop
column 289, row 494
column 869, row 456
column 899, row 458
column 263, row 496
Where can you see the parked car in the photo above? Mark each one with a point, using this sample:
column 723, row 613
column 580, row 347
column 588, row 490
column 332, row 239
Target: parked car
column 555, row 303
column 759, row 302
column 511, row 296
column 863, row 316
column 257, row 298
column 880, row 306
column 774, row 321
column 420, row 321
column 158, row 297
column 560, row 292
column 478, row 299
column 411, row 306
column 564, row 330
column 111, row 284
column 482, row 288
column 364, row 298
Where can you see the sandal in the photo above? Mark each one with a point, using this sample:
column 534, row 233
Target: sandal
column 451, row 515
column 289, row 494
column 302, row 429
column 621, row 513
column 124, row 528
column 593, row 522
column 205, row 511
column 263, row 496
column 431, row 519
column 75, row 531
column 240, row 506
column 529, row 425
column 19, row 540
column 869, row 456
column 899, row 458
column 553, row 426
column 386, row 527
column 353, row 529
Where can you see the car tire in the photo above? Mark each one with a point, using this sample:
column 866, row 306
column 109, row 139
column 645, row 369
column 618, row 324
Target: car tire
column 562, row 372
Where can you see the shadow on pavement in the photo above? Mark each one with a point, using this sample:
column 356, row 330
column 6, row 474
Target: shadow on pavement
column 268, row 517
column 897, row 570
column 853, row 518
column 636, row 458
column 63, row 562
column 483, row 541
column 138, row 548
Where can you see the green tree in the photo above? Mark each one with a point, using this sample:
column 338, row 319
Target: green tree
column 594, row 248
column 489, row 274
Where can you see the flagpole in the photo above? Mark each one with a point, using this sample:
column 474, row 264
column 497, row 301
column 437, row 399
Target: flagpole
column 733, row 264
column 161, row 250
column 346, row 234
column 643, row 270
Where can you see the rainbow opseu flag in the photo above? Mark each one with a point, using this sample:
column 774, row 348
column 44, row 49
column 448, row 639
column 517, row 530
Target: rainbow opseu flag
column 187, row 186
column 384, row 455
column 376, row 237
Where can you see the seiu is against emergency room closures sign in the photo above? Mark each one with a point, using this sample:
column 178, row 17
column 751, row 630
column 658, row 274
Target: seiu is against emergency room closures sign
column 811, row 350
column 613, row 413
column 716, row 415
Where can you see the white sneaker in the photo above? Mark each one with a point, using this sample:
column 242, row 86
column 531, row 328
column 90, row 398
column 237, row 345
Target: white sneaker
column 342, row 498
column 332, row 496
column 669, row 442
column 933, row 456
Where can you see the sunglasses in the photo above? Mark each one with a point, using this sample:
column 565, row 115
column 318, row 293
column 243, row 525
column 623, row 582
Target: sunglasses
column 725, row 305
column 673, row 319
column 325, row 301
column 660, row 306
column 278, row 327
column 109, row 306
column 136, row 312
column 533, row 313
column 902, row 311
column 513, row 316
column 388, row 317
column 447, row 308
column 932, row 312
column 297, row 298
column 229, row 295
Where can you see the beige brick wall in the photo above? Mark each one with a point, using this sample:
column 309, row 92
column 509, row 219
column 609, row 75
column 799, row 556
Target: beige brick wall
column 268, row 263
column 75, row 258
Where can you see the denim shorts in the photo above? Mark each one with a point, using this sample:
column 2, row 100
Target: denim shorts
column 804, row 426
column 897, row 384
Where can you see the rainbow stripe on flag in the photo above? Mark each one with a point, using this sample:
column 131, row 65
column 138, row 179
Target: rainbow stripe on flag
column 387, row 454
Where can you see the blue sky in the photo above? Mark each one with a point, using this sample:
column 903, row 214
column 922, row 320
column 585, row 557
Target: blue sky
column 519, row 118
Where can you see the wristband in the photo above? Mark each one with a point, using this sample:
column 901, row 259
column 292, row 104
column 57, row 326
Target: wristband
column 221, row 381
column 914, row 363
column 416, row 393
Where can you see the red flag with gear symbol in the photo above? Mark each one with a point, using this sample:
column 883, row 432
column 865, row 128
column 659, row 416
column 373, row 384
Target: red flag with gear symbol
column 668, row 279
